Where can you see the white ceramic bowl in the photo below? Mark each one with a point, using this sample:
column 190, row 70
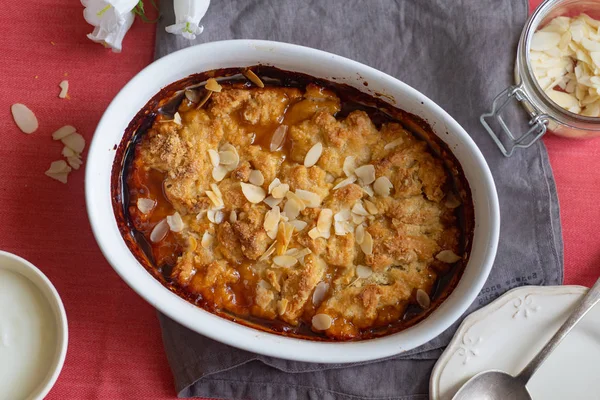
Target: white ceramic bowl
column 41, row 381
column 240, row 53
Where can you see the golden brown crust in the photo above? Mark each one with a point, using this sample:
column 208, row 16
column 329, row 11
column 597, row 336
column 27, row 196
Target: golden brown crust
column 236, row 264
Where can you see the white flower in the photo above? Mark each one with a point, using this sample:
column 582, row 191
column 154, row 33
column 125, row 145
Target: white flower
column 188, row 14
column 111, row 20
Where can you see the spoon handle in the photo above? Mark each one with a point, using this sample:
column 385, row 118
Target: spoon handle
column 589, row 300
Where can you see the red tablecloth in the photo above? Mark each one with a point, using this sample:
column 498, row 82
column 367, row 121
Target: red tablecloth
column 115, row 348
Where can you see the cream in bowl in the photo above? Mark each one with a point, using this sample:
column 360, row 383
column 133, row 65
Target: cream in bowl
column 145, row 92
column 33, row 331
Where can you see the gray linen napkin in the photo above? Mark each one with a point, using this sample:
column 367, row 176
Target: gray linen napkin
column 458, row 53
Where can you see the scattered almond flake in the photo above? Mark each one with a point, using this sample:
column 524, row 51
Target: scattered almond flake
column 215, row 216
column 145, row 205
column 270, row 250
column 365, row 174
column 254, row 194
column 74, row 141
column 205, row 98
column 382, row 186
column 371, row 207
column 292, row 252
column 349, row 165
column 160, row 231
column 310, row 199
column 216, row 190
column 276, row 182
column 423, row 299
column 219, row 173
column 24, row 118
column 58, row 167
column 359, row 209
column 284, row 261
column 232, row 216
column 359, row 234
column 544, row 40
column 284, row 217
column 256, row 177
column 367, row 244
column 280, row 191
column 213, row 85
column 75, row 162
column 207, row 240
column 342, row 228
column 321, row 322
column 63, row 132
column 288, row 231
column 216, row 200
column 358, row 219
column 227, row 157
column 314, row 233
column 271, row 221
column 342, row 215
column 59, row 176
column 447, row 256
column 319, row 293
column 272, row 201
column 282, row 306
column 215, row 160
column 329, row 178
column 252, row 77
column 175, row 222
column 177, row 118
column 64, row 89
column 313, row 155
column 363, row 271
column 292, row 208
column 345, row 182
column 67, row 152
column 200, row 215
column 393, row 144
column 278, row 138
column 324, row 221
column 192, row 95
column 368, row 190
column 452, row 201
column 298, row 225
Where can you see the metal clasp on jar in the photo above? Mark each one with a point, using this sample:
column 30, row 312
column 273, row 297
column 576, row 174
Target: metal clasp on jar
column 505, row 139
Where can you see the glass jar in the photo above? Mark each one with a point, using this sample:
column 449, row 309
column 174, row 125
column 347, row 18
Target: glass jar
column 544, row 113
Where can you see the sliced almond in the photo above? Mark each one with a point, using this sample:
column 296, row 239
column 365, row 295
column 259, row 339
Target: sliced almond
column 342, row 228
column 207, row 94
column 24, row 118
column 448, row 256
column 365, row 174
column 228, row 157
column 271, row 222
column 276, row 182
column 64, row 89
column 382, row 186
column 254, row 194
column 313, row 155
column 67, row 152
column 252, row 77
column 74, row 141
column 393, row 144
column 423, row 299
column 177, row 118
column 216, row 190
column 282, row 306
column 219, row 173
column 319, row 293
column 321, row 322
column 272, row 201
column 280, row 191
column 175, row 222
column 207, row 240
column 371, row 207
column 216, row 200
column 292, row 208
column 215, row 160
column 63, row 132
column 58, row 167
column 270, row 250
column 310, row 199
column 359, row 209
column 298, row 224
column 367, row 244
column 349, row 165
column 215, row 216
column 284, row 261
column 329, row 178
column 145, row 205
column 324, row 221
column 278, row 138
column 363, row 271
column 75, row 162
column 59, row 176
column 256, row 177
column 345, row 182
column 358, row 219
column 213, row 85
column 232, row 216
column 368, row 190
column 359, row 234
column 160, row 231
column 343, row 215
